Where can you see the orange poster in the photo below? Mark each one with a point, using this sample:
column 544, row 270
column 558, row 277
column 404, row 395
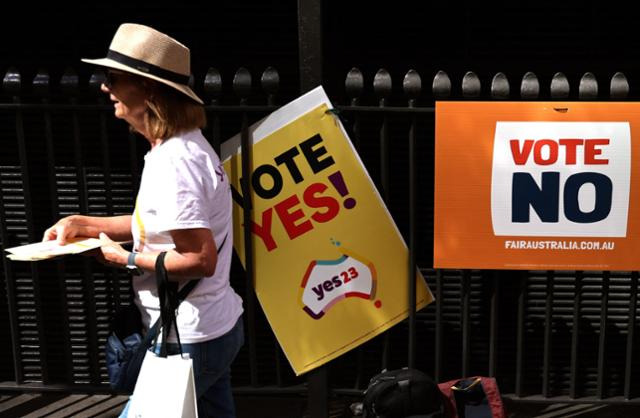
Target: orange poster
column 537, row 185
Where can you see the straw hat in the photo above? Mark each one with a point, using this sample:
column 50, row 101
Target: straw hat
column 144, row 51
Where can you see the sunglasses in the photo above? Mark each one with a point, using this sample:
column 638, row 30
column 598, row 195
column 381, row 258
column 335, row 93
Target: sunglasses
column 112, row 77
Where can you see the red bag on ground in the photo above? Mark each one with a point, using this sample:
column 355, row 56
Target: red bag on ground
column 472, row 397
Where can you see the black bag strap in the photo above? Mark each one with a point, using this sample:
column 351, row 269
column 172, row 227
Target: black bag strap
column 168, row 295
column 151, row 335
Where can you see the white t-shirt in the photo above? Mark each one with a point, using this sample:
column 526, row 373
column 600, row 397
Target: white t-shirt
column 184, row 186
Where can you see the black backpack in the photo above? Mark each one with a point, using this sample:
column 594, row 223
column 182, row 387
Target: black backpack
column 402, row 393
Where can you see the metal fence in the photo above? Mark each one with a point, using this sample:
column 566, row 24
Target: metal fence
column 545, row 335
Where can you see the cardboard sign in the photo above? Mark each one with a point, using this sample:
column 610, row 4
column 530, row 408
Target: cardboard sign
column 331, row 267
column 536, row 186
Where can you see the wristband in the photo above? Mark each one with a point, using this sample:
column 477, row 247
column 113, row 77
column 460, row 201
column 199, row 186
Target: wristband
column 131, row 261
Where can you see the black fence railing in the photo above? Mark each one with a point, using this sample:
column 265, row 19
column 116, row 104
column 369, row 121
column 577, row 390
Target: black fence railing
column 545, row 335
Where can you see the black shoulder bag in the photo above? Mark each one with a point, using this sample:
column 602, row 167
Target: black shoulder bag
column 402, row 393
column 124, row 356
column 126, row 348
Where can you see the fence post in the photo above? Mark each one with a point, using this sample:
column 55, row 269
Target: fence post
column 382, row 87
column 11, row 84
column 270, row 83
column 242, row 88
column 412, row 86
column 310, row 56
column 441, row 89
column 310, row 43
column 213, row 90
column 70, row 85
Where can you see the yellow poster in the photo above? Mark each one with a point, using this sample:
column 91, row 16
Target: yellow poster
column 331, row 267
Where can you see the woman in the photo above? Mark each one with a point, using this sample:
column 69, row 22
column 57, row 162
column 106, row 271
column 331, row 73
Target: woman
column 183, row 207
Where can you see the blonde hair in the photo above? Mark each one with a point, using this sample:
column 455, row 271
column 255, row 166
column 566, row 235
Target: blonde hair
column 170, row 112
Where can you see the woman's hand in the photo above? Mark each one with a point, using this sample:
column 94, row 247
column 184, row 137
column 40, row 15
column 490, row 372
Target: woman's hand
column 64, row 229
column 113, row 252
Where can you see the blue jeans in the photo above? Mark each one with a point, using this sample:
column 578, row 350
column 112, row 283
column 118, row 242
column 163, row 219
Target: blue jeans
column 212, row 372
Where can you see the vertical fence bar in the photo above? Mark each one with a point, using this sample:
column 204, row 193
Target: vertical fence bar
column 11, row 299
column 246, row 186
column 70, row 84
column 493, row 326
column 357, row 384
column 354, row 83
column 242, row 88
column 382, row 84
column 522, row 291
column 41, row 85
column 412, row 85
column 270, row 82
column 310, row 60
column 96, row 80
column 11, row 83
column 573, row 385
column 631, row 325
column 319, row 392
column 437, row 368
column 310, row 43
column 500, row 90
column 471, row 89
column 604, row 303
column 213, row 88
column 111, row 278
column 548, row 327
column 465, row 296
column 441, row 88
column 382, row 88
column 41, row 343
column 412, row 241
column 277, row 350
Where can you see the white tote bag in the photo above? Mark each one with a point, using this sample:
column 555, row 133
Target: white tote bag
column 165, row 388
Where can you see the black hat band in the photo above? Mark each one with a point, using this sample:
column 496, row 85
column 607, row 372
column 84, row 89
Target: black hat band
column 147, row 68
